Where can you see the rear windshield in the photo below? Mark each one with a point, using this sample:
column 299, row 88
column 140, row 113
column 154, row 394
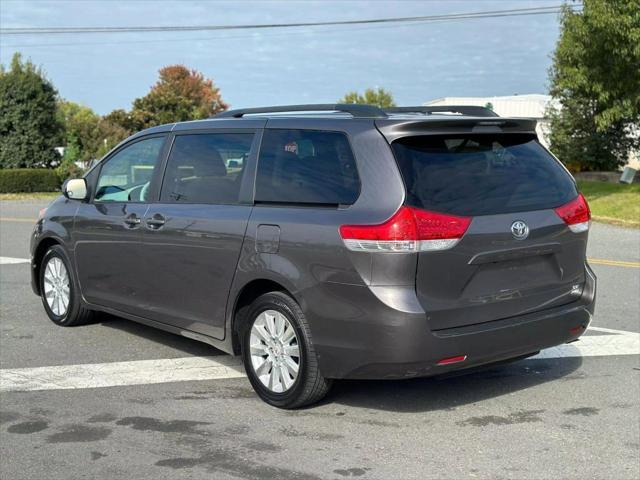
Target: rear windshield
column 481, row 174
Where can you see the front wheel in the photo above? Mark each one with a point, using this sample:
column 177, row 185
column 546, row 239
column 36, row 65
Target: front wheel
column 278, row 354
column 59, row 291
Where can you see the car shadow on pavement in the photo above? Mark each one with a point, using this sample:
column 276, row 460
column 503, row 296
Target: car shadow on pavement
column 447, row 393
column 171, row 340
column 411, row 395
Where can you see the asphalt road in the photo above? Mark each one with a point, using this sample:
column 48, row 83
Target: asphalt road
column 568, row 417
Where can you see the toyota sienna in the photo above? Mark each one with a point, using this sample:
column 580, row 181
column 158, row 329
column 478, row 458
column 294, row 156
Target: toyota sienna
column 324, row 242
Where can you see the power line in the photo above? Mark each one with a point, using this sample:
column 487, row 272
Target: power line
column 195, row 28
column 229, row 37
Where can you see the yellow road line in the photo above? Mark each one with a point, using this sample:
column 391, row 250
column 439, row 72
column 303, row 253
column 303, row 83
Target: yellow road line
column 614, row 263
column 17, row 219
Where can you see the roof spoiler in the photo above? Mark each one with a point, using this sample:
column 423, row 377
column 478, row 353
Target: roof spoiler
column 392, row 129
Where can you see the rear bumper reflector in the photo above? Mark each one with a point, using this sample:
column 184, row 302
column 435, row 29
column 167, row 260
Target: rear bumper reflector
column 577, row 329
column 450, row 360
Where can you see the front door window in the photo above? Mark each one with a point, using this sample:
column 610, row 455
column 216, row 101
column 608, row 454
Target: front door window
column 127, row 175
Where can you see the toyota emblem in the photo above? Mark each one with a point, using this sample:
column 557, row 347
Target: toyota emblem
column 520, row 230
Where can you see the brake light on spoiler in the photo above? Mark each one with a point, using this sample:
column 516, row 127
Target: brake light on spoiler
column 576, row 214
column 408, row 230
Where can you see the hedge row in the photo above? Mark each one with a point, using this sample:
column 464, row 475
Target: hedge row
column 19, row 180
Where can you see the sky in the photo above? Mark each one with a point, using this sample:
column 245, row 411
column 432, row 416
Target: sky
column 417, row 62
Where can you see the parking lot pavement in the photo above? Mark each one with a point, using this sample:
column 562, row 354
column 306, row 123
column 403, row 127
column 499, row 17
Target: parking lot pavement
column 574, row 413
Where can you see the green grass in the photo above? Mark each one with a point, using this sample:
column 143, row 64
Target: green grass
column 613, row 202
column 29, row 196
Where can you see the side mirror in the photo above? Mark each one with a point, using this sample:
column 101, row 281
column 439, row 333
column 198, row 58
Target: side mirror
column 75, row 189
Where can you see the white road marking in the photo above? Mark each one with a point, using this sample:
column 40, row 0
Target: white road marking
column 609, row 330
column 12, row 260
column 619, row 342
column 142, row 372
column 139, row 372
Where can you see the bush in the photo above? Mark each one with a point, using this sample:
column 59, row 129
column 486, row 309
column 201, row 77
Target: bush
column 19, row 180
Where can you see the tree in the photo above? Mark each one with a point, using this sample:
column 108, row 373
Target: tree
column 109, row 134
column 29, row 128
column 595, row 78
column 180, row 94
column 80, row 125
column 122, row 119
column 88, row 136
column 378, row 97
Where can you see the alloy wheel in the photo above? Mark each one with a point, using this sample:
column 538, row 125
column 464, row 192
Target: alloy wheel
column 275, row 351
column 56, row 286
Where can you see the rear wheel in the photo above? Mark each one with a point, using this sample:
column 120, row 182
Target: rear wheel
column 278, row 354
column 59, row 291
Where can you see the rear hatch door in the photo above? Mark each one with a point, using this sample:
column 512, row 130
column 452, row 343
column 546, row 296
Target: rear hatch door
column 518, row 255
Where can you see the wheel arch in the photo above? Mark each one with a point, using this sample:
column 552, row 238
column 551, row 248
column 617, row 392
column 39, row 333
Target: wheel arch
column 38, row 254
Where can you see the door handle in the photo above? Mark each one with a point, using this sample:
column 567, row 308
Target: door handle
column 132, row 220
column 155, row 222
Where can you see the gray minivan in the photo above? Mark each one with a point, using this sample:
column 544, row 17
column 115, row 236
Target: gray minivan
column 324, row 242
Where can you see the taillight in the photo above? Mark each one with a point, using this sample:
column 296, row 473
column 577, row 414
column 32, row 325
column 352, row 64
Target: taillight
column 408, row 230
column 576, row 214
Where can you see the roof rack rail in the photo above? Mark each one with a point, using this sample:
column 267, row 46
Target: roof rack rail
column 357, row 110
column 471, row 110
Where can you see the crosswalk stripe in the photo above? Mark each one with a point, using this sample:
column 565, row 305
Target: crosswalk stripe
column 618, row 343
column 139, row 372
column 12, row 260
column 142, row 372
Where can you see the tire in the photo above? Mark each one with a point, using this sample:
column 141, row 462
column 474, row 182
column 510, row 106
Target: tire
column 74, row 313
column 308, row 386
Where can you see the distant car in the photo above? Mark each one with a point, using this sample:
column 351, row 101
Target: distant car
column 351, row 243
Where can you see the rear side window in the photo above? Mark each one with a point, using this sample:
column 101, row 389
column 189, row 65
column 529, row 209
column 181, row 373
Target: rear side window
column 481, row 174
column 304, row 166
column 206, row 168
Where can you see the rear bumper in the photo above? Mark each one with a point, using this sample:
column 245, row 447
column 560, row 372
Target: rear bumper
column 384, row 343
